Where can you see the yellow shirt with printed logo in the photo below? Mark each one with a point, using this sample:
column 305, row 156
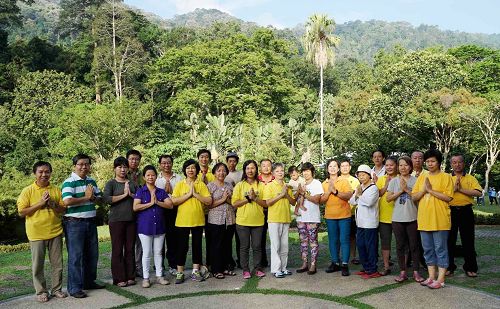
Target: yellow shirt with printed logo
column 250, row 214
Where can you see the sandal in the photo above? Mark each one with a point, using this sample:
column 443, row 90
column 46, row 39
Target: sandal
column 417, row 277
column 219, row 276
column 229, row 273
column 122, row 284
column 59, row 294
column 401, row 278
column 385, row 272
column 471, row 274
column 131, row 282
column 43, row 297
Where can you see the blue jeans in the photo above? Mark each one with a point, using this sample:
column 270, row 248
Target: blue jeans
column 81, row 242
column 367, row 243
column 435, row 244
column 338, row 239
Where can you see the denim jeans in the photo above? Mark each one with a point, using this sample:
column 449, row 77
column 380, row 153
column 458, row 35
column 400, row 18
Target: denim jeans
column 339, row 239
column 81, row 242
column 435, row 245
column 367, row 243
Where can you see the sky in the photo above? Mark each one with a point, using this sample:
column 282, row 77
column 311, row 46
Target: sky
column 476, row 16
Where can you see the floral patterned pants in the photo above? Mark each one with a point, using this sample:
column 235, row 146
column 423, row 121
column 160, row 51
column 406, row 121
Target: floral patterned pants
column 308, row 233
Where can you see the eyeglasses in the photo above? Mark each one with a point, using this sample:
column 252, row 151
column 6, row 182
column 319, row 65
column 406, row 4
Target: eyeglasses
column 82, row 164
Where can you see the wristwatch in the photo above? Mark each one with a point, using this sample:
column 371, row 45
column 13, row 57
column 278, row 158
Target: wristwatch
column 336, row 192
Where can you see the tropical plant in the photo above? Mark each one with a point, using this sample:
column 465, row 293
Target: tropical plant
column 318, row 44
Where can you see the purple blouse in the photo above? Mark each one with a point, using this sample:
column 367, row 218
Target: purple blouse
column 151, row 221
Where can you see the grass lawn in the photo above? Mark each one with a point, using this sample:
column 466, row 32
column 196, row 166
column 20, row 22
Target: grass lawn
column 15, row 269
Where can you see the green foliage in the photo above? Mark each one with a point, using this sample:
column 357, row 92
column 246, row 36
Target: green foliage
column 99, row 129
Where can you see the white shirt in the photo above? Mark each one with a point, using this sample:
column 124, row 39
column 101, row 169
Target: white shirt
column 312, row 214
column 234, row 177
column 380, row 173
column 367, row 210
column 161, row 181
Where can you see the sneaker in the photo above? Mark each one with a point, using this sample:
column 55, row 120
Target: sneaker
column 247, row 275
column 260, row 273
column 179, row 278
column 426, row 282
column 172, row 271
column 286, row 272
column 332, row 268
column 196, row 276
column 146, row 283
column 279, row 274
column 436, row 285
column 345, row 270
column 205, row 272
column 360, row 273
column 162, row 281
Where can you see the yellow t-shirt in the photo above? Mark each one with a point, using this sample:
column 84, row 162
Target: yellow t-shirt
column 279, row 212
column 385, row 208
column 210, row 176
column 433, row 213
column 250, row 214
column 354, row 182
column 467, row 182
column 337, row 208
column 191, row 212
column 45, row 223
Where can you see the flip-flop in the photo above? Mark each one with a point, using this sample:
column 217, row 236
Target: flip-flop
column 471, row 274
column 219, row 276
column 229, row 273
column 43, row 297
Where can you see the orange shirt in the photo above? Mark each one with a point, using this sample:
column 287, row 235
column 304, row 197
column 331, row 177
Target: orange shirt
column 337, row 208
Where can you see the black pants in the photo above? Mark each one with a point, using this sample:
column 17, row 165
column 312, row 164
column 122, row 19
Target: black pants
column 264, row 262
column 122, row 250
column 221, row 241
column 170, row 247
column 407, row 236
column 462, row 219
column 208, row 245
column 250, row 236
column 183, row 244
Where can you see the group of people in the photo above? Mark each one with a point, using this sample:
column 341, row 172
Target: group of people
column 154, row 212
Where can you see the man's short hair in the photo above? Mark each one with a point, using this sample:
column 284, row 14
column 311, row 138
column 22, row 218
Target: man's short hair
column 41, row 163
column 133, row 152
column 202, row 151
column 165, row 156
column 81, row 156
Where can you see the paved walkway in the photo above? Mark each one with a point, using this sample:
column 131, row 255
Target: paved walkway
column 297, row 291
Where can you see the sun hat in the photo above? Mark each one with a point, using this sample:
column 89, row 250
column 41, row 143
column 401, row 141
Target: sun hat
column 364, row 168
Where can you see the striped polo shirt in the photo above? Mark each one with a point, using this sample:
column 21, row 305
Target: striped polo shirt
column 74, row 187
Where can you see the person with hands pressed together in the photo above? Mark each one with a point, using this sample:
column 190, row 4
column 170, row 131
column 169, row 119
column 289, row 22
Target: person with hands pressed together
column 265, row 177
column 221, row 223
column 167, row 180
column 191, row 196
column 42, row 206
column 247, row 199
column 367, row 219
column 434, row 192
column 149, row 204
column 309, row 218
column 385, row 211
column 404, row 219
column 80, row 195
column 338, row 216
column 205, row 175
column 119, row 194
column 466, row 187
column 279, row 197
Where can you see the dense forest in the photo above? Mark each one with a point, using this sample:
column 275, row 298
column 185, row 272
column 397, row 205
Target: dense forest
column 99, row 77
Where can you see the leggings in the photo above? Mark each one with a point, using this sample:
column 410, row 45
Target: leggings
column 308, row 233
column 151, row 243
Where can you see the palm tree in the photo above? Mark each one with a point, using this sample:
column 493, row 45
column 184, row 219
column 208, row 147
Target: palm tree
column 318, row 43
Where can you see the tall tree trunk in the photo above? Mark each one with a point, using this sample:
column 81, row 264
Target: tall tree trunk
column 96, row 76
column 115, row 65
column 321, row 107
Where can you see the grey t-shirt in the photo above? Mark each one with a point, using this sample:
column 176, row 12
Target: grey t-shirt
column 404, row 208
column 123, row 209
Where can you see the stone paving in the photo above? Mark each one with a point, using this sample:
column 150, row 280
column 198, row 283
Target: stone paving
column 297, row 291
